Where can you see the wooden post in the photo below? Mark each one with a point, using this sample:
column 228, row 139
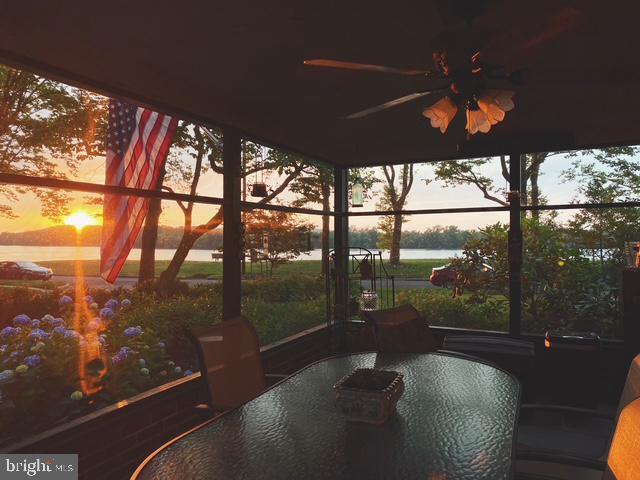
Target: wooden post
column 515, row 246
column 341, row 249
column 232, row 247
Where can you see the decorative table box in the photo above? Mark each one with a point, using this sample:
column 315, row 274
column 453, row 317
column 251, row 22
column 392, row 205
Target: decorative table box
column 369, row 395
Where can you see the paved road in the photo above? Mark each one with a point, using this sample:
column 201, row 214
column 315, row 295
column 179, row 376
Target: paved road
column 97, row 282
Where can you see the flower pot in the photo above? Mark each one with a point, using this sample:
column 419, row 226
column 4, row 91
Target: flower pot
column 369, row 395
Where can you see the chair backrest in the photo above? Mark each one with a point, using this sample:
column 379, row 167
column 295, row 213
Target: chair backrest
column 623, row 462
column 631, row 389
column 401, row 329
column 230, row 362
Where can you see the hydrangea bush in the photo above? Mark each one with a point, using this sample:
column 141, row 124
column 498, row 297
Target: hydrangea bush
column 40, row 361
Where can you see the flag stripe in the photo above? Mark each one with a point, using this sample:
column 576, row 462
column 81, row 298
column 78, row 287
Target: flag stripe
column 138, row 142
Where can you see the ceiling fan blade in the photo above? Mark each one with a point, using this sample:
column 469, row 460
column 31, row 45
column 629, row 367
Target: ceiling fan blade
column 365, row 67
column 392, row 103
column 523, row 39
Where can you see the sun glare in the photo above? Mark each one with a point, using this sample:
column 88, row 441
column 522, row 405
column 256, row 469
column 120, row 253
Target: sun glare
column 80, row 220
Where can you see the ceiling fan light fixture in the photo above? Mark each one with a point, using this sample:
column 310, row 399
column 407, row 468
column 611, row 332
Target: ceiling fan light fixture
column 477, row 121
column 494, row 103
column 441, row 113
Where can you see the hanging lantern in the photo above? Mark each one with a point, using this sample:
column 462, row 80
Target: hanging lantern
column 357, row 193
column 369, row 300
column 259, row 189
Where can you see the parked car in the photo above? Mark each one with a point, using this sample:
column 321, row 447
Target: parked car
column 24, row 271
column 445, row 276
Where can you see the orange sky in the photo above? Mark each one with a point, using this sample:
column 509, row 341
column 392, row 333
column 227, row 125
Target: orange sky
column 422, row 196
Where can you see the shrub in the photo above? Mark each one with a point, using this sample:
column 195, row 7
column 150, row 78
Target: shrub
column 137, row 339
column 439, row 307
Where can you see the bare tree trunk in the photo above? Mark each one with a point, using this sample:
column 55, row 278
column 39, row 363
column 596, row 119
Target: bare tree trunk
column 148, row 243
column 326, row 223
column 171, row 273
column 534, row 173
column 149, row 238
column 394, row 252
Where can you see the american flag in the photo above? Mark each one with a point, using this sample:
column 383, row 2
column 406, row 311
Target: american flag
column 138, row 141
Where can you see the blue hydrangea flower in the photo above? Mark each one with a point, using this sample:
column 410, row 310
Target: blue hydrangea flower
column 32, row 360
column 65, row 300
column 107, row 313
column 133, row 332
column 57, row 322
column 3, row 348
column 38, row 334
column 21, row 319
column 125, row 303
column 47, row 318
column 60, row 330
column 112, row 303
column 187, row 373
column 121, row 356
column 88, row 299
column 35, row 323
column 7, row 332
column 71, row 334
column 6, row 376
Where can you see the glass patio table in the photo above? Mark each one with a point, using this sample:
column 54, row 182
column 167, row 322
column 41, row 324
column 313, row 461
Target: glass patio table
column 456, row 420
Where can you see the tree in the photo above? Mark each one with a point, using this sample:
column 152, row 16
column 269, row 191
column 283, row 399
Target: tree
column 394, row 198
column 200, row 147
column 469, row 172
column 286, row 236
column 315, row 184
column 613, row 177
column 40, row 121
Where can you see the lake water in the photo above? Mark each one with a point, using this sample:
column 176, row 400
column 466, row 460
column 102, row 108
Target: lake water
column 37, row 253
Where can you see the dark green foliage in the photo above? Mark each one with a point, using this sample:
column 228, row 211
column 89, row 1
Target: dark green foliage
column 439, row 307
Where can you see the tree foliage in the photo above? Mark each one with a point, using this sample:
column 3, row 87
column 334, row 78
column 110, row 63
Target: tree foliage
column 283, row 234
column 46, row 130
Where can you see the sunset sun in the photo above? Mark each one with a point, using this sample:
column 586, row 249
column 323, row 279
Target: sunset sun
column 80, row 220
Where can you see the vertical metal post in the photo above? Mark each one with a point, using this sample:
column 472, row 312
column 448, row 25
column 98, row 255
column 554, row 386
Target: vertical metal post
column 341, row 249
column 232, row 222
column 515, row 245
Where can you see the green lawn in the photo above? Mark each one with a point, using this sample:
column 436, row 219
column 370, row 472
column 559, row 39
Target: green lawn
column 408, row 268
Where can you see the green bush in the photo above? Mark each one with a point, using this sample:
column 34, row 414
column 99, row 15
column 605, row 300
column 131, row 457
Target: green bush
column 439, row 307
column 140, row 343
column 292, row 288
column 32, row 302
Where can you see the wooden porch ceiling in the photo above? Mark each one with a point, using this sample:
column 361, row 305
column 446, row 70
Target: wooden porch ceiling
column 239, row 64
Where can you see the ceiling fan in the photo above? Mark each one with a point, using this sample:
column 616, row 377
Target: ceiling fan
column 464, row 82
column 466, row 87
